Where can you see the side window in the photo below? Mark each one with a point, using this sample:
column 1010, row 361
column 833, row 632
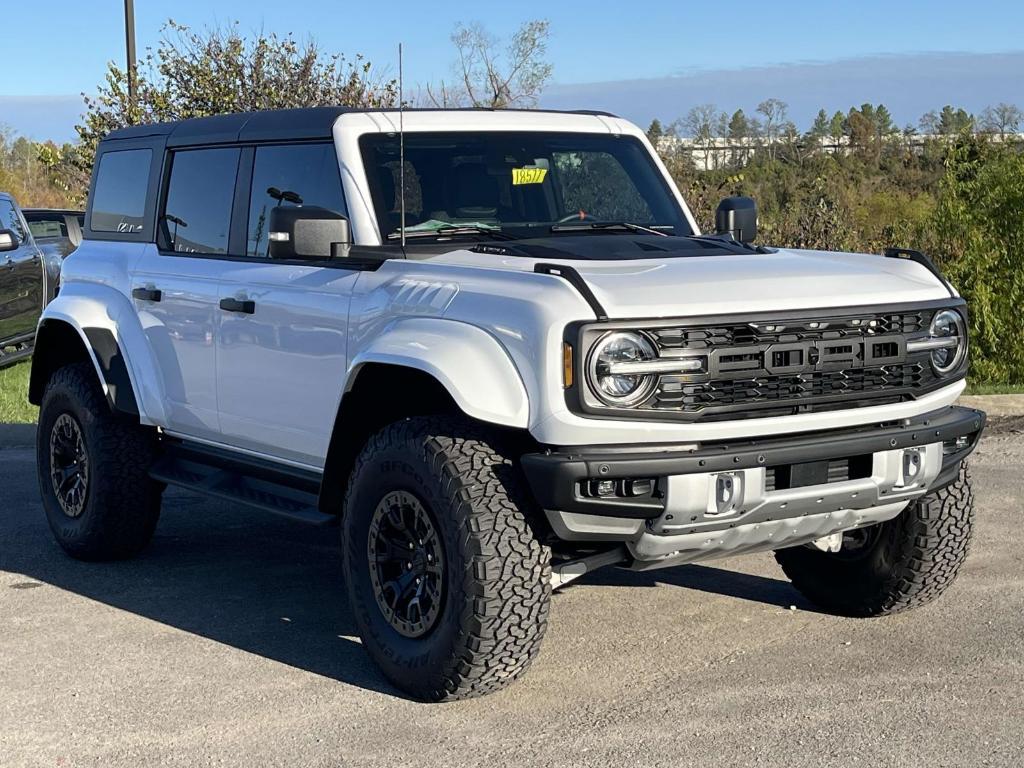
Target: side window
column 197, row 215
column 297, row 174
column 9, row 219
column 119, row 195
column 43, row 227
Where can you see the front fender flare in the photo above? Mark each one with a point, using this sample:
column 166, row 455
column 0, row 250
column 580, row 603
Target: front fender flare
column 470, row 363
column 109, row 327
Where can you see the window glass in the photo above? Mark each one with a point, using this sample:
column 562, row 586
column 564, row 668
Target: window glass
column 298, row 174
column 43, row 227
column 9, row 219
column 523, row 183
column 119, row 196
column 197, row 216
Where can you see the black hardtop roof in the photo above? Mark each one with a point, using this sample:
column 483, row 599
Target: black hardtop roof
column 271, row 125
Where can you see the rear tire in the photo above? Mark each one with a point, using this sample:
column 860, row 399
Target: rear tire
column 468, row 614
column 905, row 562
column 93, row 467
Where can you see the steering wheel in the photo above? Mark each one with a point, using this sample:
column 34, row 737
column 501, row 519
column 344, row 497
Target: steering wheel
column 581, row 216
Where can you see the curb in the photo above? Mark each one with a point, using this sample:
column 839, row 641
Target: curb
column 17, row 436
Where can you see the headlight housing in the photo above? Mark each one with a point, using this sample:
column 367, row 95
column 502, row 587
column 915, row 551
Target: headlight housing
column 948, row 328
column 605, row 374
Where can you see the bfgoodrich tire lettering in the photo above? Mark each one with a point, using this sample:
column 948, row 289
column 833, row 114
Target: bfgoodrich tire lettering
column 497, row 574
column 909, row 561
column 117, row 512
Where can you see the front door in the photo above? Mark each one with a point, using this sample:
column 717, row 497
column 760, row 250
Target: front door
column 21, row 280
column 281, row 346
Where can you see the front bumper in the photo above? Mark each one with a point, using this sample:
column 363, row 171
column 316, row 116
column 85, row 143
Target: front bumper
column 716, row 499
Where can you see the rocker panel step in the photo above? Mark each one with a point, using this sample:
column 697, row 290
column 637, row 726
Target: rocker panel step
column 262, row 485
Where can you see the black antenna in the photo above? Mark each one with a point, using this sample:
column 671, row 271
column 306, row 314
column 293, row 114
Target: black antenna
column 401, row 150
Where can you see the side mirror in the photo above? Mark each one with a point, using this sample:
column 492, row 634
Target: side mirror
column 737, row 216
column 8, row 240
column 307, row 233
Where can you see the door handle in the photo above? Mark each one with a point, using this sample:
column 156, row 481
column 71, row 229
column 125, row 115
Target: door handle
column 244, row 306
column 147, row 294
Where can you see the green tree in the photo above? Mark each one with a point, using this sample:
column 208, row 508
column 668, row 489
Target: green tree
column 220, row 70
column 655, row 131
column 820, row 128
column 954, row 121
column 837, row 126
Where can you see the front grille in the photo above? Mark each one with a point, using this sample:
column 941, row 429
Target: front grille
column 765, row 366
column 676, row 393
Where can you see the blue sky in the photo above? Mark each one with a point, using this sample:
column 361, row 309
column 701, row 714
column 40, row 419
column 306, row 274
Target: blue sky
column 63, row 51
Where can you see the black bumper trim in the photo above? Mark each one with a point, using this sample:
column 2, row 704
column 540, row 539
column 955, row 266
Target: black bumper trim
column 554, row 476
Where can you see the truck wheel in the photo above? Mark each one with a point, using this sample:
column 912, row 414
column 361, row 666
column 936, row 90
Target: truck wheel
column 448, row 583
column 93, row 469
column 899, row 564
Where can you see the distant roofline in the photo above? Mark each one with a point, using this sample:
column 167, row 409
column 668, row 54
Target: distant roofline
column 302, row 123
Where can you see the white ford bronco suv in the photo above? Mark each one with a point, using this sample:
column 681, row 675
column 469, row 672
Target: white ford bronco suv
column 495, row 349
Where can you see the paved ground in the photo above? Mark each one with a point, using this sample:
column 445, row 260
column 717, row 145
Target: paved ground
column 228, row 643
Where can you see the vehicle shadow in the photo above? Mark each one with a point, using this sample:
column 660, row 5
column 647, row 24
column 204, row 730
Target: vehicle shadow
column 706, row 578
column 251, row 581
column 259, row 583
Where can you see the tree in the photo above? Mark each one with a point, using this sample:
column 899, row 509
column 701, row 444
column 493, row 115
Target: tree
column 488, row 77
column 820, row 127
column 220, row 70
column 837, row 126
column 1002, row 119
column 705, row 123
column 929, row 123
column 774, row 112
column 655, row 132
column 953, row 121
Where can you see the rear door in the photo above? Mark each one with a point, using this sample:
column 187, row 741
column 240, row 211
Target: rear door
column 281, row 366
column 21, row 279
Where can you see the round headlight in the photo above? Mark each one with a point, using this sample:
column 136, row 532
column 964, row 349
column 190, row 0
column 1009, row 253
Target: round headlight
column 948, row 324
column 620, row 389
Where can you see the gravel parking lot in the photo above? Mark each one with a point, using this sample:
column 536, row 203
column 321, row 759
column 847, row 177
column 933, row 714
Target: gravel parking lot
column 229, row 643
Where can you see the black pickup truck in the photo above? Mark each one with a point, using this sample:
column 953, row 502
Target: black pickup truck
column 25, row 283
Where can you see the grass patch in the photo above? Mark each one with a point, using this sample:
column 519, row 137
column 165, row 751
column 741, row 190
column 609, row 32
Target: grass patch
column 994, row 389
column 14, row 405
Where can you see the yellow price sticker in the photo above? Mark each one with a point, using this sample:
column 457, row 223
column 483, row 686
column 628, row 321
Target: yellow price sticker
column 528, row 176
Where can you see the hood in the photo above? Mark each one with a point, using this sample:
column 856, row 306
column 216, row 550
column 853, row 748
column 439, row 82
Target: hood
column 729, row 283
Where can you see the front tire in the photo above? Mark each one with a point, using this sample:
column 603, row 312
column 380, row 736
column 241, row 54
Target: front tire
column 93, row 467
column 448, row 582
column 899, row 564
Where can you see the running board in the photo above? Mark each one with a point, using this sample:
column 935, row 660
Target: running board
column 16, row 349
column 262, row 485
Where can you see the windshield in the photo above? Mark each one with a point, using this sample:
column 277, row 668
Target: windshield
column 519, row 183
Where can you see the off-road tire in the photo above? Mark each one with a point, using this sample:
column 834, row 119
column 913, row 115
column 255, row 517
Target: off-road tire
column 912, row 560
column 121, row 503
column 498, row 575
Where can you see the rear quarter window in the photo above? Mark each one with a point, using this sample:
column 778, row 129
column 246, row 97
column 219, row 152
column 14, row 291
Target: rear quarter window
column 119, row 193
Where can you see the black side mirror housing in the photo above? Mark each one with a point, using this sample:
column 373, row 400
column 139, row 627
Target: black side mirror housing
column 737, row 216
column 8, row 240
column 307, row 233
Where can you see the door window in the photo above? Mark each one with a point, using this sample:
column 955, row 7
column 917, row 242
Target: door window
column 9, row 219
column 290, row 175
column 197, row 215
column 119, row 195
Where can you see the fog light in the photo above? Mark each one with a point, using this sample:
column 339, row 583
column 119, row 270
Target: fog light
column 639, row 487
column 604, row 488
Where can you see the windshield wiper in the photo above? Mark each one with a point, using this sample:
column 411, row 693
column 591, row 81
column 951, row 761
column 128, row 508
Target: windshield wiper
column 601, row 225
column 455, row 229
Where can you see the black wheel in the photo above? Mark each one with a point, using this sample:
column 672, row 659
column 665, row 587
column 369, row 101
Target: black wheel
column 448, row 582
column 93, row 469
column 892, row 566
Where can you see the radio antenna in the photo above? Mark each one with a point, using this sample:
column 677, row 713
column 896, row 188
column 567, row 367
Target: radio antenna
column 401, row 150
